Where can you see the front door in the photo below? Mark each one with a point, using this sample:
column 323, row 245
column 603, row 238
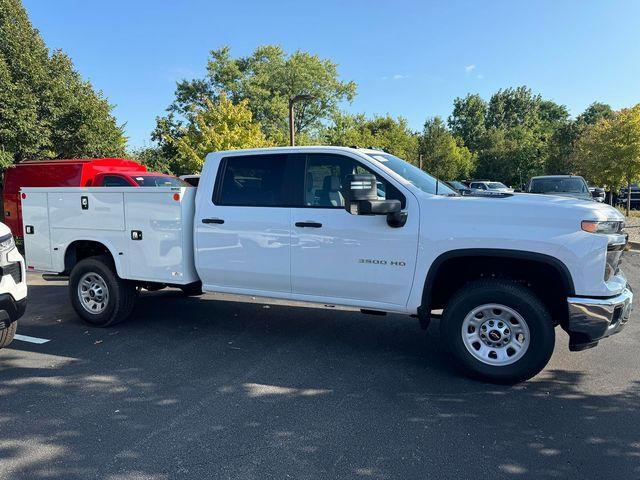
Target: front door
column 336, row 255
column 243, row 232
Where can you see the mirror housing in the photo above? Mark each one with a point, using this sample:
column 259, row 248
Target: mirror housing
column 360, row 192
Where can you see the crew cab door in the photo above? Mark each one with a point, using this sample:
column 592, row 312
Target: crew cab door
column 336, row 255
column 243, row 230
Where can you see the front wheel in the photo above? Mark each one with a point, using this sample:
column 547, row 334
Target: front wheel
column 7, row 334
column 498, row 331
column 98, row 295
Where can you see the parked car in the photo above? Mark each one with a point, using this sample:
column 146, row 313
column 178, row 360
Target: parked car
column 572, row 186
column 13, row 286
column 107, row 172
column 635, row 196
column 460, row 187
column 488, row 187
column 598, row 194
column 310, row 224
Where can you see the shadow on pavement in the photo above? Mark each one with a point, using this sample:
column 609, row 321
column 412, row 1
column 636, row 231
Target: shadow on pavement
column 192, row 388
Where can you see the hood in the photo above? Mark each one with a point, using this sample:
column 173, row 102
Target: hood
column 529, row 209
column 584, row 196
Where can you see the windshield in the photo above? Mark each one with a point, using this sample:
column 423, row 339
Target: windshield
column 458, row 185
column 160, row 181
column 558, row 185
column 496, row 185
column 413, row 175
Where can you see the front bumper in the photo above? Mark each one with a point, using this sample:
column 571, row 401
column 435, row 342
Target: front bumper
column 592, row 319
column 10, row 309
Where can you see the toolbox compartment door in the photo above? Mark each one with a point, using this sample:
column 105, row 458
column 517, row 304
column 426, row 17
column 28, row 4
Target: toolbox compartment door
column 37, row 237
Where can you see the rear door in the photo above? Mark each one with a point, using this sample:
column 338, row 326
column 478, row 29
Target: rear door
column 243, row 232
column 37, row 237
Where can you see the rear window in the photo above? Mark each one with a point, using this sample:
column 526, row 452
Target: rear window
column 256, row 181
column 558, row 185
column 159, row 181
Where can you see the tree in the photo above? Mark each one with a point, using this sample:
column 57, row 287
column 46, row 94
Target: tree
column 443, row 155
column 216, row 126
column 563, row 158
column 46, row 109
column 389, row 134
column 594, row 113
column 267, row 79
column 468, row 120
column 611, row 150
column 153, row 158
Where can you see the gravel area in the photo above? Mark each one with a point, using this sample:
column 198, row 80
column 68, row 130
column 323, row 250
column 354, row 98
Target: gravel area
column 632, row 226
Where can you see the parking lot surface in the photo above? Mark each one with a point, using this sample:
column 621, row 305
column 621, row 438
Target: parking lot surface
column 203, row 388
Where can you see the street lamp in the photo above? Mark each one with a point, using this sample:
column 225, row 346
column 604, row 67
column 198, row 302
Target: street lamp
column 292, row 101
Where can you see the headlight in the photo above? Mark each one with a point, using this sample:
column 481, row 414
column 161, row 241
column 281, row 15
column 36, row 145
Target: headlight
column 6, row 243
column 602, row 227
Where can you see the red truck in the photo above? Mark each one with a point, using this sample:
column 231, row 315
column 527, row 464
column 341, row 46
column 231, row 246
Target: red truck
column 94, row 172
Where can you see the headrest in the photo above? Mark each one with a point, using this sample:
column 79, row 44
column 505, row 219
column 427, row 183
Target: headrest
column 331, row 183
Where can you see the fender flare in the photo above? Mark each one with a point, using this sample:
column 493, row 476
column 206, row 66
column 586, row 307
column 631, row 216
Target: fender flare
column 558, row 265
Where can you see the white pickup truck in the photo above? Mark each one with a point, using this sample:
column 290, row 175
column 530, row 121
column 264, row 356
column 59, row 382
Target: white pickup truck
column 348, row 227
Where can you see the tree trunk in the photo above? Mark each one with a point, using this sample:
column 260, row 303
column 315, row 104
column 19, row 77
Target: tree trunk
column 628, row 197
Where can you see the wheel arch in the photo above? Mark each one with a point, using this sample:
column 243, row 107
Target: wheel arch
column 80, row 249
column 499, row 261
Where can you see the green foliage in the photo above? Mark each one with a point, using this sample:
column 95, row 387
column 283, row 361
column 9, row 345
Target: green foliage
column 443, row 155
column 610, row 149
column 46, row 109
column 387, row 133
column 154, row 159
column 468, row 120
column 267, row 80
column 212, row 127
column 563, row 156
column 510, row 134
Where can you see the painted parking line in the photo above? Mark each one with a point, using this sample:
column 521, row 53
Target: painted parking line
column 27, row 338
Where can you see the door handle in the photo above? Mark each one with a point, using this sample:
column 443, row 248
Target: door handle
column 308, row 224
column 213, row 220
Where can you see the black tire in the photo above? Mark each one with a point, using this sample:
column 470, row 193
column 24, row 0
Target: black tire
column 516, row 297
column 192, row 289
column 7, row 334
column 121, row 293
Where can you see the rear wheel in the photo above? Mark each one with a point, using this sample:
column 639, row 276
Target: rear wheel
column 98, row 295
column 7, row 334
column 498, row 331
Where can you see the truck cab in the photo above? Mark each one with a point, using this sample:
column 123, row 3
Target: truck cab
column 356, row 228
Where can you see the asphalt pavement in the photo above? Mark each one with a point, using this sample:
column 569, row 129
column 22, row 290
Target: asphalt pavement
column 199, row 388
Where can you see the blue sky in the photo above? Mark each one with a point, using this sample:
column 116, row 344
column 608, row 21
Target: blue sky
column 409, row 58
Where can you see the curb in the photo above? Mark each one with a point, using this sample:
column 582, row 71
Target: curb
column 633, row 246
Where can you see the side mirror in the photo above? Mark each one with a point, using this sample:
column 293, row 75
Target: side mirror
column 360, row 192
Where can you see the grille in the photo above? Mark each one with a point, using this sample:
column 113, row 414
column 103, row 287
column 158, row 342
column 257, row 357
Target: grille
column 14, row 270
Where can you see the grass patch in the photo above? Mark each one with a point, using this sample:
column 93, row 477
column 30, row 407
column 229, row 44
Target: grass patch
column 632, row 213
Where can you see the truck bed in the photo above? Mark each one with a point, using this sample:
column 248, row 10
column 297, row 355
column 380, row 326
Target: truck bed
column 149, row 231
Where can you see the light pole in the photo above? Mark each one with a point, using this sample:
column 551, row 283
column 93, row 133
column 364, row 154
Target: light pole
column 292, row 127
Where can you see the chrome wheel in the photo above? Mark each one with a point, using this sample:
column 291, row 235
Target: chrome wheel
column 93, row 293
column 495, row 334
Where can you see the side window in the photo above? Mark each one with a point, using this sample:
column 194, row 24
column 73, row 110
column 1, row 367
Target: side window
column 325, row 174
column 256, row 181
column 114, row 181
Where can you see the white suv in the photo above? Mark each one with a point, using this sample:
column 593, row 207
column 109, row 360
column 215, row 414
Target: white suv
column 13, row 286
